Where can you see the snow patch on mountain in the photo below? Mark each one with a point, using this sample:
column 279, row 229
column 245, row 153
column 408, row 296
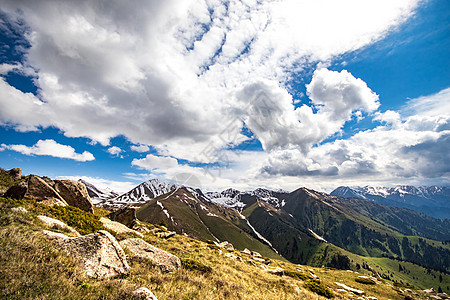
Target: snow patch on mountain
column 98, row 195
column 230, row 198
column 317, row 236
column 432, row 200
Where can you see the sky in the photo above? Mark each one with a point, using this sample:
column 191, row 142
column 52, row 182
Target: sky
column 217, row 94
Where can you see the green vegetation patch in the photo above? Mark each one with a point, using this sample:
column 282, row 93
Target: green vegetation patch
column 319, row 288
column 365, row 280
column 297, row 275
column 192, row 264
column 84, row 222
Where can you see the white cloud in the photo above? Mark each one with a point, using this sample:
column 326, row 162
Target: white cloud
column 102, row 183
column 114, row 150
column 407, row 149
column 6, row 68
column 152, row 162
column 168, row 74
column 51, row 148
column 140, row 148
column 433, row 105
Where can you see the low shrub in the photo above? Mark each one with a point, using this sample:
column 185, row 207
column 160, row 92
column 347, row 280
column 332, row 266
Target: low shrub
column 365, row 280
column 82, row 221
column 297, row 274
column 319, row 288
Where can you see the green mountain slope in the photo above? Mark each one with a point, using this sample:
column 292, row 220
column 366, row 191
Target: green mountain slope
column 183, row 213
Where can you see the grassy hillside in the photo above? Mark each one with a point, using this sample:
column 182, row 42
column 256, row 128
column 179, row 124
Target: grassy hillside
column 33, row 268
column 349, row 226
column 203, row 221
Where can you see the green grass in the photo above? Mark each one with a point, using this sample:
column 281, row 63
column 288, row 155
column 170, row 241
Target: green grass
column 192, row 264
column 319, row 288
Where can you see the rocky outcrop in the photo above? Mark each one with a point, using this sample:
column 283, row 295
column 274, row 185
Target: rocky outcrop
column 35, row 188
column 50, row 192
column 144, row 293
column 118, row 227
column 162, row 233
column 225, row 245
column 15, row 173
column 126, row 216
column 75, row 194
column 350, row 289
column 57, row 223
column 99, row 254
column 160, row 258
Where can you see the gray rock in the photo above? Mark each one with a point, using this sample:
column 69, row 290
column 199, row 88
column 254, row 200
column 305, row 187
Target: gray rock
column 35, row 188
column 15, row 173
column 99, row 254
column 57, row 223
column 160, row 258
column 144, row 293
column 118, row 227
column 226, row 245
column 75, row 194
column 126, row 216
column 19, row 209
column 165, row 234
column 49, row 192
column 246, row 251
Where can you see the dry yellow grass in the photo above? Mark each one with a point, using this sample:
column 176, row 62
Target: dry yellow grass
column 32, row 268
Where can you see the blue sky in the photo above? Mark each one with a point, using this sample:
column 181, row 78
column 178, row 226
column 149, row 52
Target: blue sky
column 240, row 94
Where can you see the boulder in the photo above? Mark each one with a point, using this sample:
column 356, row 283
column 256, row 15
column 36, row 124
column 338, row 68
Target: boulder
column 165, row 234
column 350, row 289
column 57, row 223
column 256, row 254
column 35, row 188
column 19, row 209
column 246, row 251
column 17, row 191
column 49, row 192
column 126, row 216
column 118, row 227
column 160, row 258
column 15, row 173
column 144, row 293
column 276, row 271
column 75, row 194
column 99, row 254
column 226, row 245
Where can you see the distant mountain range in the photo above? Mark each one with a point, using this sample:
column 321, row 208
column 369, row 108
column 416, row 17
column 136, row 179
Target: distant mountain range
column 431, row 200
column 99, row 195
column 303, row 226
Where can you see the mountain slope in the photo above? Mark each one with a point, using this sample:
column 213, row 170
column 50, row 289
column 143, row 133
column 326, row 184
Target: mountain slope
column 432, row 200
column 140, row 194
column 184, row 213
column 299, row 225
column 343, row 224
column 98, row 195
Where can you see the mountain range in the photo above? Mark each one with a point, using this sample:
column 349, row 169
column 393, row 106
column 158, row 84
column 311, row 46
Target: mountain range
column 431, row 200
column 303, row 226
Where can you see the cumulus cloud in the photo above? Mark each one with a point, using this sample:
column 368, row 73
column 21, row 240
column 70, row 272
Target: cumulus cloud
column 104, row 184
column 140, row 148
column 51, row 148
column 114, row 150
column 168, row 74
column 152, row 162
column 414, row 150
